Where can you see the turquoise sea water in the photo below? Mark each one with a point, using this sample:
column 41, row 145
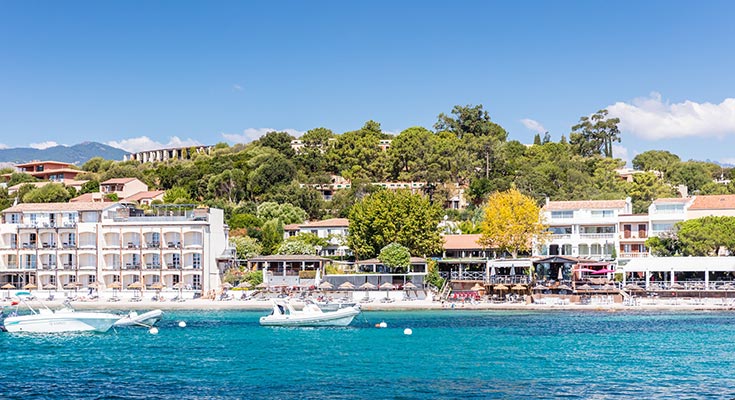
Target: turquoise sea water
column 451, row 354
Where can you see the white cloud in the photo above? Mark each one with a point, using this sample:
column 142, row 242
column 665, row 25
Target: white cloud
column 143, row 143
column 237, row 87
column 533, row 125
column 651, row 118
column 4, row 146
column 250, row 134
column 43, row 145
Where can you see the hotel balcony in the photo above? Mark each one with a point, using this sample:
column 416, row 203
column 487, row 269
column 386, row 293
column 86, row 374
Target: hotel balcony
column 597, row 235
column 637, row 254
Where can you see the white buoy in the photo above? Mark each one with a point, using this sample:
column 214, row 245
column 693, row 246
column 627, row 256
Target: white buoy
column 182, row 324
column 383, row 324
column 408, row 331
column 153, row 331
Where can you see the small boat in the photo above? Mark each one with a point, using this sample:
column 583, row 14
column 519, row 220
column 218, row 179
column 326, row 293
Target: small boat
column 284, row 314
column 45, row 320
column 335, row 305
column 147, row 319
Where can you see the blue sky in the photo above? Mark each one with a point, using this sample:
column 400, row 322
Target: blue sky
column 147, row 73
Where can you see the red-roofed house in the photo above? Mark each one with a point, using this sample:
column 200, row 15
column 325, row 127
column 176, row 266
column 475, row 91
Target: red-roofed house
column 55, row 171
column 123, row 187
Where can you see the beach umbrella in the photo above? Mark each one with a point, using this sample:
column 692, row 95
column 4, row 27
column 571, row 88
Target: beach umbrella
column 346, row 286
column 475, row 288
column 7, row 286
column 512, row 269
column 368, row 286
column 492, row 271
column 30, row 286
column 115, row 285
column 633, row 287
column 603, row 271
column 540, row 287
column 135, row 285
column 518, row 287
column 563, row 287
column 70, row 285
column 94, row 285
column 677, row 285
column 561, row 274
column 326, row 286
column 387, row 286
column 608, row 287
column 49, row 286
column 411, row 286
column 245, row 285
column 584, row 287
column 157, row 286
column 500, row 287
column 261, row 285
column 179, row 285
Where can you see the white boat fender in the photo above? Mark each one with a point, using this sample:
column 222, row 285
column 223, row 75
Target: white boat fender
column 182, row 324
column 382, row 324
column 153, row 331
column 408, row 332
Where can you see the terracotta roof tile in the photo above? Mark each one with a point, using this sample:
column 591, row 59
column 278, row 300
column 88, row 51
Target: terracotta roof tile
column 672, row 200
column 462, row 242
column 714, row 202
column 332, row 222
column 60, row 207
column 150, row 194
column 115, row 181
column 585, row 205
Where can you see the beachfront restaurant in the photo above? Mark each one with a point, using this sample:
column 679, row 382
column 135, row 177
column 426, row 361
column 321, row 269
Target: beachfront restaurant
column 680, row 273
column 294, row 271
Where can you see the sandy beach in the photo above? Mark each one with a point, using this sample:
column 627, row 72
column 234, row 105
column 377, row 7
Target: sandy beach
column 682, row 304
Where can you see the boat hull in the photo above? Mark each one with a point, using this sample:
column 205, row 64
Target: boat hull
column 146, row 319
column 61, row 322
column 342, row 317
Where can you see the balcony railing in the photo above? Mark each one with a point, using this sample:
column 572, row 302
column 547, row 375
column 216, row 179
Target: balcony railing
column 635, row 254
column 597, row 235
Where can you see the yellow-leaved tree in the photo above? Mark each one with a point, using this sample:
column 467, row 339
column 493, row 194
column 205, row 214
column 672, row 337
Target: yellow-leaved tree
column 512, row 221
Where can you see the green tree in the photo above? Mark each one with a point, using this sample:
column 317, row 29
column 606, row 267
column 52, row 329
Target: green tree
column 177, row 195
column 49, row 193
column 707, row 236
column 395, row 256
column 394, row 216
column 280, row 141
column 91, row 186
column 656, row 160
column 286, row 213
column 246, row 247
column 647, row 187
column 664, row 245
column 229, row 184
column 296, row 247
column 272, row 236
column 693, row 174
column 470, row 120
column 20, row 177
column 512, row 221
column 595, row 134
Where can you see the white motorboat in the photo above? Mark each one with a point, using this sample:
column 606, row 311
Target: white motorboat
column 45, row 320
column 284, row 314
column 335, row 305
column 147, row 319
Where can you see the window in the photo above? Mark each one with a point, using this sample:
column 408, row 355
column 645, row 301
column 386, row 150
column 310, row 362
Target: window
column 562, row 214
column 34, row 219
column 197, row 260
column 602, row 213
column 71, row 217
column 72, row 239
column 561, row 230
column 196, row 281
column 669, row 208
column 176, row 260
column 665, row 227
column 14, row 218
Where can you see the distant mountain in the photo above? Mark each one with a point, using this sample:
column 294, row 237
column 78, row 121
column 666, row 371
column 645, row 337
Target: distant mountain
column 77, row 154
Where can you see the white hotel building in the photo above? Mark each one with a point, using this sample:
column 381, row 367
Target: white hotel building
column 583, row 228
column 59, row 244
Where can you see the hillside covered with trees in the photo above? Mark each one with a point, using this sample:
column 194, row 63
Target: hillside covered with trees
column 266, row 184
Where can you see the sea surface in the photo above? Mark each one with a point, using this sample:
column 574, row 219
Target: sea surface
column 450, row 355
